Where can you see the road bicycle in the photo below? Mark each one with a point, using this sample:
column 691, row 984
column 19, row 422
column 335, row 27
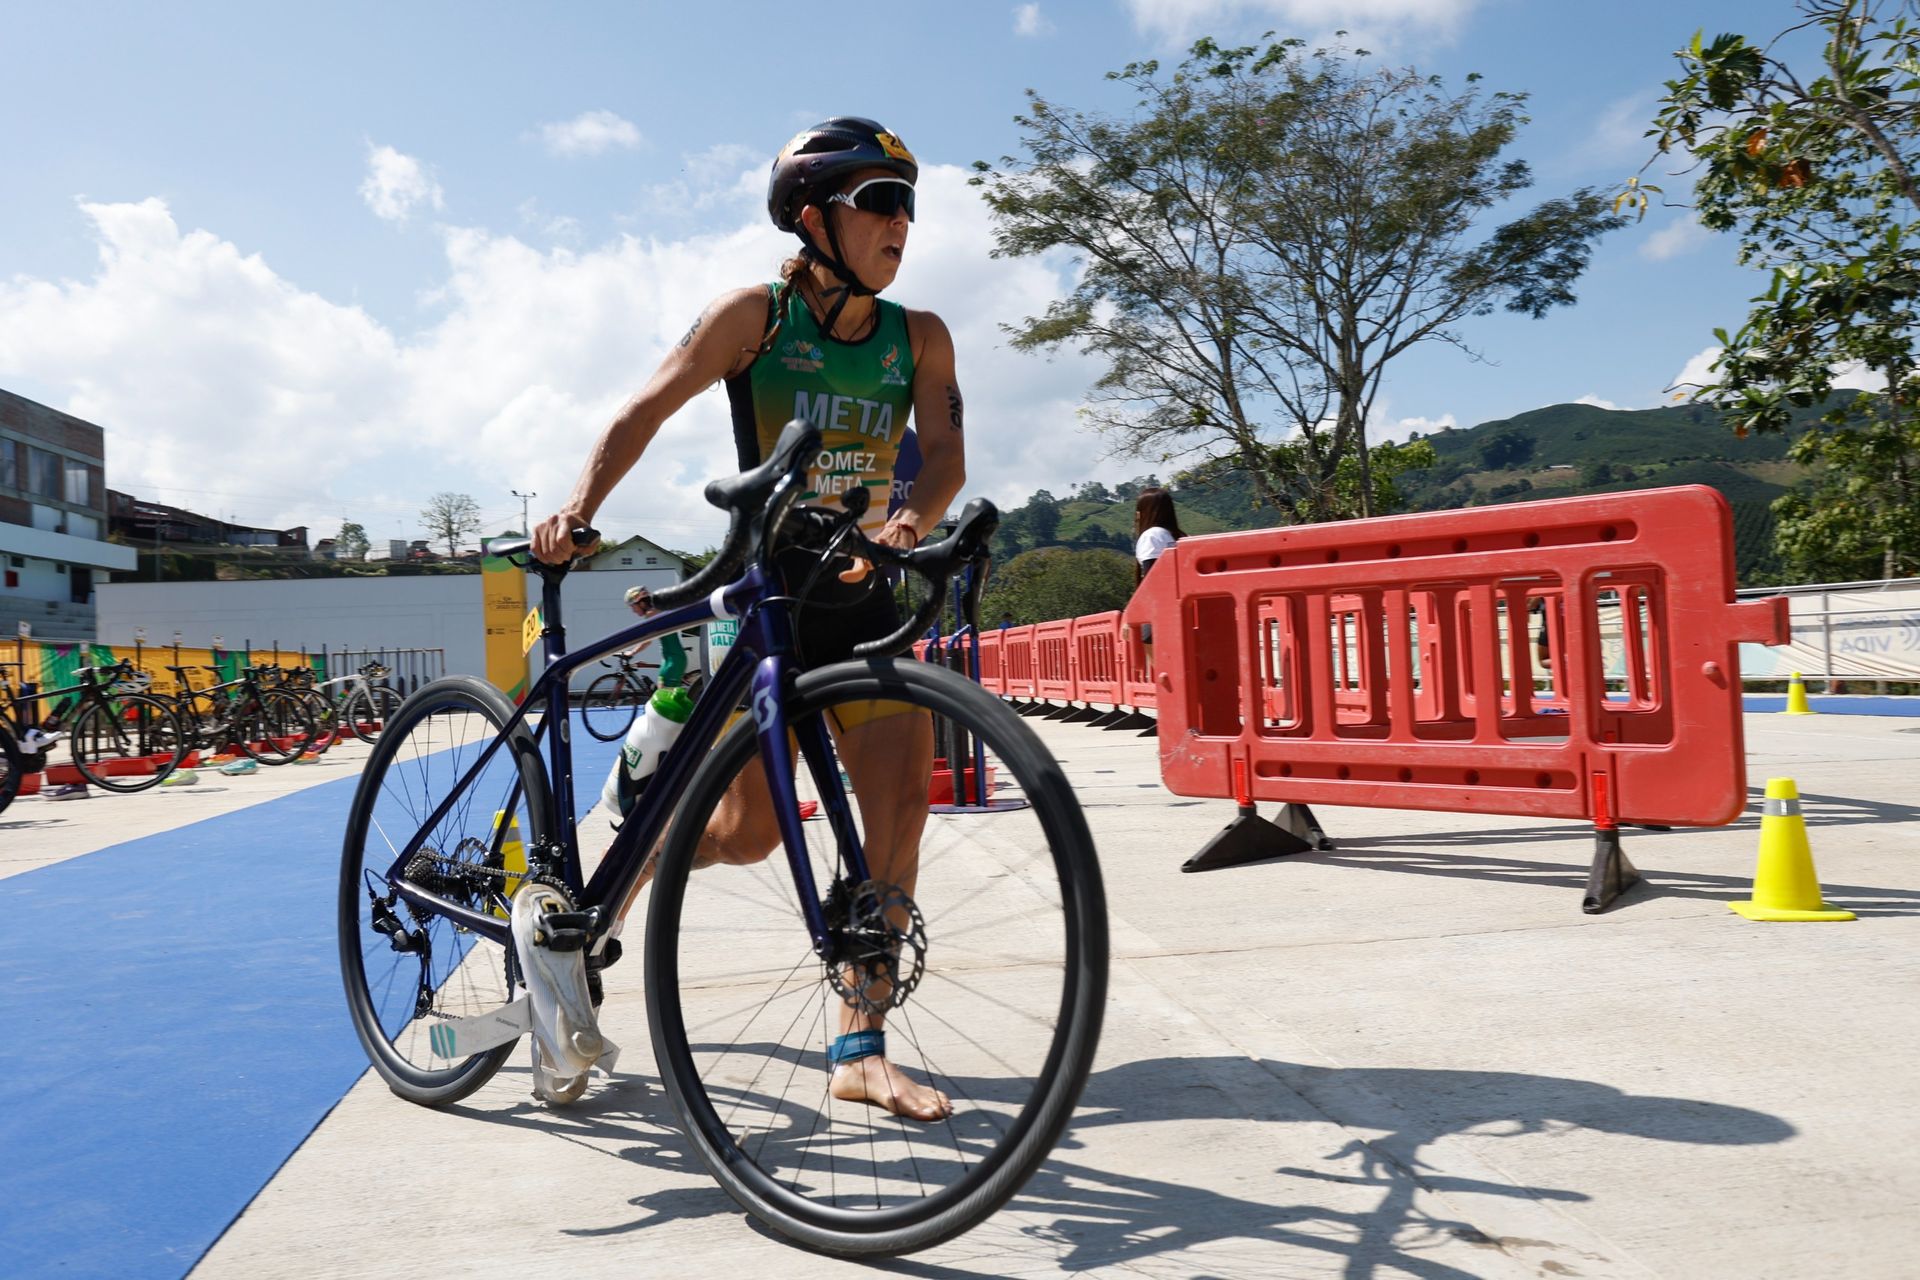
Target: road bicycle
column 986, row 955
column 362, row 705
column 122, row 737
column 270, row 725
column 614, row 699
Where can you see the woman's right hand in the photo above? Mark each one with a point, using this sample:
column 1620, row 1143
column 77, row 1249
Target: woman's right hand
column 553, row 538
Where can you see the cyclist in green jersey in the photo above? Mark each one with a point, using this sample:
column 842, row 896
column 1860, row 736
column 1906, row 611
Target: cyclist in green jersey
column 820, row 344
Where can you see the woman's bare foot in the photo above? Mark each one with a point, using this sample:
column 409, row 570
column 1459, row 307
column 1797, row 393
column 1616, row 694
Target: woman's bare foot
column 879, row 1083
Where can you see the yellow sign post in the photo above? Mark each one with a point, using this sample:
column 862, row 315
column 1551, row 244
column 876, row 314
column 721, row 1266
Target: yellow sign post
column 503, row 586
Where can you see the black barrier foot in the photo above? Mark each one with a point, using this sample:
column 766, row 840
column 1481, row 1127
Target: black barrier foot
column 1128, row 720
column 1248, row 838
column 1298, row 821
column 1611, row 875
column 1081, row 715
column 1107, row 719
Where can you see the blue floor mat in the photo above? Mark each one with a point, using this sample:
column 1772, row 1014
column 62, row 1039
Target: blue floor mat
column 175, row 1028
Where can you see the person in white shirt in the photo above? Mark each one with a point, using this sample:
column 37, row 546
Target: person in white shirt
column 1155, row 526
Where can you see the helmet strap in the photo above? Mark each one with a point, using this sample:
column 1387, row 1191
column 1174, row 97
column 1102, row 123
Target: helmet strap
column 851, row 286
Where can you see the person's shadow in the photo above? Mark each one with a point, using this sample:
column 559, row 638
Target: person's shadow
column 1099, row 1217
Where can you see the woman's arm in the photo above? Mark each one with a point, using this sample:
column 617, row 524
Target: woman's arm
column 939, row 416
column 720, row 343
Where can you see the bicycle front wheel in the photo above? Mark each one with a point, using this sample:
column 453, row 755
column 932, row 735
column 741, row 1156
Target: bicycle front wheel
column 407, row 970
column 13, row 765
column 129, row 743
column 994, row 920
column 609, row 707
column 369, row 710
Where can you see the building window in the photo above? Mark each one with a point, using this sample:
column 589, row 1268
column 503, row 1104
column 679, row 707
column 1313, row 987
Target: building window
column 43, row 473
column 83, row 526
column 626, row 560
column 9, row 468
column 82, row 585
column 652, row 560
column 79, row 483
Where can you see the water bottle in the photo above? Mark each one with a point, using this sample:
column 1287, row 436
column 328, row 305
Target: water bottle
column 651, row 733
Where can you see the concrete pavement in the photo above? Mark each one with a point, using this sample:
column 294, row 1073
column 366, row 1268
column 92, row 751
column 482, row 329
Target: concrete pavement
column 1413, row 1056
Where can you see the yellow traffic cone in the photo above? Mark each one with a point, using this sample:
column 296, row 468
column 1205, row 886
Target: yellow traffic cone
column 513, row 854
column 1784, row 885
column 1797, row 698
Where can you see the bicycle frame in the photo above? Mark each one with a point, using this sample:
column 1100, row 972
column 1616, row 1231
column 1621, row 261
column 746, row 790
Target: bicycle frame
column 762, row 661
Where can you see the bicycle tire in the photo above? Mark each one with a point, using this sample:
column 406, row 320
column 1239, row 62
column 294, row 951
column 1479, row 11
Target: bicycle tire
column 368, row 709
column 104, row 736
column 13, row 768
column 278, row 730
column 732, row 967
column 607, row 710
column 458, row 714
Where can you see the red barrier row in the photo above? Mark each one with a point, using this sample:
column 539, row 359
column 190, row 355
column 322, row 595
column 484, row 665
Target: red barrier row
column 1395, row 663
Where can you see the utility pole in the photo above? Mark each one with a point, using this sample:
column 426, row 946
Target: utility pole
column 524, row 526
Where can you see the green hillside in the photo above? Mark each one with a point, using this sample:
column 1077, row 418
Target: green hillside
column 1559, row 451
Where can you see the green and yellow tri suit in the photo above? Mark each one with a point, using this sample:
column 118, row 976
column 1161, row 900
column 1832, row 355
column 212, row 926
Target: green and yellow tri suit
column 858, row 393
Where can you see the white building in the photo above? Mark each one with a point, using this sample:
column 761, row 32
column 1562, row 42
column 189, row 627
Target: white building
column 53, row 518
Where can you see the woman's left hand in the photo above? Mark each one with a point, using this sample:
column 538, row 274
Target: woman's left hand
column 898, row 533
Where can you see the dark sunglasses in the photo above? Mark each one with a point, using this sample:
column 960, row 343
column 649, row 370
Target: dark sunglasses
column 884, row 196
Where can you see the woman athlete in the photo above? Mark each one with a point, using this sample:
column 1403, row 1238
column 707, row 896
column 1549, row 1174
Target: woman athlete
column 820, row 344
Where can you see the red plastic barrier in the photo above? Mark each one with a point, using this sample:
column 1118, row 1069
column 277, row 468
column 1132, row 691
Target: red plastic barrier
column 1392, row 662
column 1016, row 663
column 1096, row 659
column 1053, row 660
column 990, row 672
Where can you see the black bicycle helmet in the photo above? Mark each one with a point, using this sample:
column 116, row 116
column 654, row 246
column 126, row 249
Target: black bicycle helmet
column 813, row 166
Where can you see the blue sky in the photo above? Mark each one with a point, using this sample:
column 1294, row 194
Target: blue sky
column 320, row 263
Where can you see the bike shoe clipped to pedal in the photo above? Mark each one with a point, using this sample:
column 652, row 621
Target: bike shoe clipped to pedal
column 549, row 938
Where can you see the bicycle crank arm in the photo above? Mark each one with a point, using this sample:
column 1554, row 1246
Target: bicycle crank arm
column 464, row 1037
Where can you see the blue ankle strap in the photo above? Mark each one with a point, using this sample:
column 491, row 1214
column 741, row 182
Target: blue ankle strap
column 856, row 1045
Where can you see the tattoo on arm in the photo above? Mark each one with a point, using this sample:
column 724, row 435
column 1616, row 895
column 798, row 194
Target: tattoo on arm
column 953, row 407
column 692, row 329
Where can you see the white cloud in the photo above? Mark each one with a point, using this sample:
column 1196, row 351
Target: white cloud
column 1858, row 377
column 226, row 386
column 1029, row 21
column 1406, row 428
column 1177, row 20
column 1682, row 235
column 1696, row 373
column 589, row 134
column 397, row 184
column 1620, row 131
column 1596, row 401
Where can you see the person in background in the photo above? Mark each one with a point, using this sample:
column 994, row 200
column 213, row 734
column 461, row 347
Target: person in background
column 1155, row 527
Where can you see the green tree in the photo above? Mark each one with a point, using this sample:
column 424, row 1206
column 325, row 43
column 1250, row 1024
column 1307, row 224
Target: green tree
column 450, row 517
column 1053, row 582
column 351, row 542
column 1341, row 498
column 1263, row 236
column 1505, row 449
column 1814, row 167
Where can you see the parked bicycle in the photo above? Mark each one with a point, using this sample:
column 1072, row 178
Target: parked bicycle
column 987, row 958
column 122, row 737
column 270, row 725
column 362, row 703
column 614, row 699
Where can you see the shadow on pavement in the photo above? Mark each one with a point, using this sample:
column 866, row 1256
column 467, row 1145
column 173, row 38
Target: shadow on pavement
column 1089, row 1217
column 1432, row 853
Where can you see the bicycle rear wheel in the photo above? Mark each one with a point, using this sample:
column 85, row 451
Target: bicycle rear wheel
column 407, row 970
column 609, row 707
column 278, row 729
column 1007, row 931
column 128, row 743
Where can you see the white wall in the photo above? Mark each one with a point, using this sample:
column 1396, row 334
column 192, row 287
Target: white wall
column 427, row 612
